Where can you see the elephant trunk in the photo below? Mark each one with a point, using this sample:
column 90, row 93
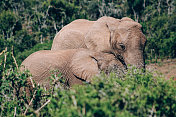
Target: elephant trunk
column 135, row 58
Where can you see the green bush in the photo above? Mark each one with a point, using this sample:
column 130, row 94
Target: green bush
column 10, row 99
column 13, row 98
column 137, row 94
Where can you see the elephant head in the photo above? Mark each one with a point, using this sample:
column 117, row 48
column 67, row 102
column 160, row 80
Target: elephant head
column 122, row 38
column 85, row 64
column 75, row 65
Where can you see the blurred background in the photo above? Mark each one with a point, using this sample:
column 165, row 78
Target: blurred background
column 30, row 25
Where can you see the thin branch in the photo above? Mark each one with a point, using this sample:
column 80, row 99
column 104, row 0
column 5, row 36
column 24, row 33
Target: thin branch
column 5, row 56
column 2, row 52
column 32, row 82
column 74, row 100
column 15, row 112
column 37, row 111
column 30, row 103
column 14, row 59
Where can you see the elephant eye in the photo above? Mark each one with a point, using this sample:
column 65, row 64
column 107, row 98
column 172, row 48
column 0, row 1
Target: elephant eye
column 122, row 46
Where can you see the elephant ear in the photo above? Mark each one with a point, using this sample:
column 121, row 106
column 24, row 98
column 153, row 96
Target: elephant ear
column 98, row 36
column 84, row 65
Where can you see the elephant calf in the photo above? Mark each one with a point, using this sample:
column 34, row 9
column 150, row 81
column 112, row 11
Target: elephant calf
column 75, row 65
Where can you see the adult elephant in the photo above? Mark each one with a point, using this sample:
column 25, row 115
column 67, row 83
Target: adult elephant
column 120, row 37
column 75, row 65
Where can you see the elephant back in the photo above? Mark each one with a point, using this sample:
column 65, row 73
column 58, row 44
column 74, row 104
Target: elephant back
column 72, row 35
column 70, row 39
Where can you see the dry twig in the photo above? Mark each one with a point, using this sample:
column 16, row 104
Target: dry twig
column 14, row 59
column 32, row 82
column 30, row 103
column 15, row 112
column 2, row 52
column 5, row 56
column 37, row 111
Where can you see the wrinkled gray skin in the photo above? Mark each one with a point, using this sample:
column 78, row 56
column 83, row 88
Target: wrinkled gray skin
column 120, row 37
column 75, row 65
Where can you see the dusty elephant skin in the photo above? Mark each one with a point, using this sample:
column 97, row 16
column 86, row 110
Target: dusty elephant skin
column 120, row 37
column 75, row 65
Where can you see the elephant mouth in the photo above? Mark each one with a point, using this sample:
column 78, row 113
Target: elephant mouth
column 118, row 57
column 121, row 59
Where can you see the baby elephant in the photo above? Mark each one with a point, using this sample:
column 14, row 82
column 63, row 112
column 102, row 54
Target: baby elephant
column 75, row 65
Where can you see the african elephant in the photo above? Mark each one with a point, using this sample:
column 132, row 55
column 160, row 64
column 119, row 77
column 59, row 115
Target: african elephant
column 75, row 65
column 120, row 37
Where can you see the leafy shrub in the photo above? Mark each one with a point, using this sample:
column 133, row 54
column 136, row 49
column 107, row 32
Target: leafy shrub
column 13, row 83
column 14, row 100
column 137, row 94
column 161, row 37
column 10, row 86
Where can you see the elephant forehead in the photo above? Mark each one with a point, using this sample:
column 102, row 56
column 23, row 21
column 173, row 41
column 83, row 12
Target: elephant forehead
column 129, row 24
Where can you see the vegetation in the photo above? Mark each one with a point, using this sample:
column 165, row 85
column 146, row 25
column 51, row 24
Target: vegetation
column 137, row 93
column 27, row 26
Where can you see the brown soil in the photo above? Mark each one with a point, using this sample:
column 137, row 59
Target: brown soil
column 166, row 67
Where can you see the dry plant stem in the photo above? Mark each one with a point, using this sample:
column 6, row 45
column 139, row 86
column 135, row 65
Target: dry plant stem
column 31, row 82
column 5, row 54
column 2, row 52
column 30, row 103
column 5, row 57
column 15, row 112
column 152, row 112
column 14, row 59
column 37, row 111
column 74, row 101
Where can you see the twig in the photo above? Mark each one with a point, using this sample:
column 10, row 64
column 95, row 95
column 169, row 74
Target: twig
column 152, row 111
column 74, row 101
column 14, row 59
column 2, row 52
column 31, row 82
column 37, row 111
column 30, row 103
column 15, row 112
column 0, row 55
column 5, row 57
